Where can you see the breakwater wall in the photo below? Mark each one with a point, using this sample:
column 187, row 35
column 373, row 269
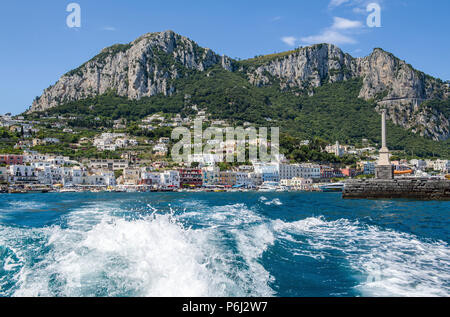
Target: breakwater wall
column 417, row 188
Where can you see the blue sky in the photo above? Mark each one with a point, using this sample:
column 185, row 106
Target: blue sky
column 38, row 47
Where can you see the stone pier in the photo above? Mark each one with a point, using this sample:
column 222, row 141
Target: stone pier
column 406, row 188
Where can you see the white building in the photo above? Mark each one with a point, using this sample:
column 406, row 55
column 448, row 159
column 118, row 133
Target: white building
column 268, row 172
column 335, row 149
column 170, row 179
column 297, row 183
column 289, row 171
column 160, row 149
column 109, row 178
column 244, row 179
column 49, row 174
column 151, row 178
column 205, row 159
column 111, row 165
column 309, row 170
column 51, row 140
column 369, row 168
column 441, row 166
column 22, row 174
column 112, row 141
column 419, row 164
column 45, row 158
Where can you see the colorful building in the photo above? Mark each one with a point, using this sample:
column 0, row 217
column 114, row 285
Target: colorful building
column 190, row 177
column 348, row 172
column 210, row 176
column 10, row 159
column 227, row 178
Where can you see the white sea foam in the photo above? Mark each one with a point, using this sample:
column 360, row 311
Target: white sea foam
column 276, row 202
column 266, row 201
column 23, row 205
column 100, row 254
column 392, row 263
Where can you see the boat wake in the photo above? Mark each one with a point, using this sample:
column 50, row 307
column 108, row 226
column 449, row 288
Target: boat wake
column 199, row 250
column 388, row 263
column 99, row 254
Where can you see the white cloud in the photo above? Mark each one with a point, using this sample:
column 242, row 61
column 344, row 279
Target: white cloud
column 109, row 28
column 274, row 19
column 338, row 33
column 329, row 36
column 359, row 10
column 359, row 5
column 289, row 40
column 344, row 24
column 342, row 31
column 337, row 3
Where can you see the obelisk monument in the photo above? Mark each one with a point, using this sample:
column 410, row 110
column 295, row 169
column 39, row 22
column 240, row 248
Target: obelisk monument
column 384, row 169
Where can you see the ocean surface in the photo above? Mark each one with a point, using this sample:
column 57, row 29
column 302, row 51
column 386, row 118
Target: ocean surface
column 222, row 244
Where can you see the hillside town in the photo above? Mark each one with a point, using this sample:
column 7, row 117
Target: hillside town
column 28, row 170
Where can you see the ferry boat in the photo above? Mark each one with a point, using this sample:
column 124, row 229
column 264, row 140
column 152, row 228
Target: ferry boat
column 335, row 187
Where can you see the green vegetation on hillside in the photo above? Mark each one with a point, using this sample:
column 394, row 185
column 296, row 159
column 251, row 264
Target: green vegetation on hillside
column 7, row 141
column 333, row 113
column 263, row 59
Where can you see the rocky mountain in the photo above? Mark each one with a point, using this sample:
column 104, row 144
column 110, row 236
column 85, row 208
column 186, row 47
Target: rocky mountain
column 393, row 83
column 153, row 63
column 142, row 68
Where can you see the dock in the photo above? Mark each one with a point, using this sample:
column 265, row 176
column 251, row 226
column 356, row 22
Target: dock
column 403, row 188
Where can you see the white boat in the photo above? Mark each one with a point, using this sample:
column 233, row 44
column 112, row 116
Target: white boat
column 282, row 189
column 335, row 187
column 69, row 190
column 268, row 187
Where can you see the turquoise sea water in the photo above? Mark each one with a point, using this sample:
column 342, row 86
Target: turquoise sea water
column 222, row 244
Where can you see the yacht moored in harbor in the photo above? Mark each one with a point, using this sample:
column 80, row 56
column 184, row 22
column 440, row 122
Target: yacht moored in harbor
column 334, row 187
column 268, row 187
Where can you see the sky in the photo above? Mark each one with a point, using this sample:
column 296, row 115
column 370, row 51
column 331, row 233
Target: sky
column 38, row 46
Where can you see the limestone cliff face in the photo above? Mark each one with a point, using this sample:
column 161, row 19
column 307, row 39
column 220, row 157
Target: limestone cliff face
column 145, row 67
column 315, row 65
column 401, row 90
column 394, row 84
column 150, row 65
column 305, row 68
column 384, row 73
